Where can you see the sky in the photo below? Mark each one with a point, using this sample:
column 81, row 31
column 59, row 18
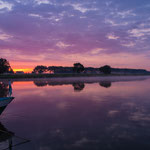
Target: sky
column 62, row 32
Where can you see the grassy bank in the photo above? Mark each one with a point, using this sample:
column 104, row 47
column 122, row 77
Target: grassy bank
column 28, row 76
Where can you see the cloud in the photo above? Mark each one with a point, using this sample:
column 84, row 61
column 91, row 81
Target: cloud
column 115, row 23
column 125, row 14
column 111, row 36
column 35, row 15
column 96, row 50
column 62, row 45
column 39, row 2
column 81, row 8
column 4, row 36
column 4, row 5
column 129, row 44
column 139, row 32
column 79, row 29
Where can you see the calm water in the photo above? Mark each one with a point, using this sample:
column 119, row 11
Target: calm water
column 79, row 116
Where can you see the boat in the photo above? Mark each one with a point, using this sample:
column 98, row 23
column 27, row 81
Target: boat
column 4, row 101
column 7, row 137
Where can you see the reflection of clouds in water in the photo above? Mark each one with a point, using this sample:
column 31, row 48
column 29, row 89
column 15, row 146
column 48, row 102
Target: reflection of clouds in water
column 96, row 118
column 139, row 116
column 62, row 105
column 121, row 131
column 81, row 142
column 129, row 104
column 112, row 113
column 137, row 111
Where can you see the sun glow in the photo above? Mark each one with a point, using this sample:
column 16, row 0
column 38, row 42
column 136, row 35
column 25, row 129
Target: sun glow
column 28, row 70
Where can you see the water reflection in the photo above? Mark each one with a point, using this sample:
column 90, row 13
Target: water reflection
column 40, row 83
column 105, row 84
column 4, row 89
column 56, row 117
column 78, row 86
column 5, row 138
column 8, row 139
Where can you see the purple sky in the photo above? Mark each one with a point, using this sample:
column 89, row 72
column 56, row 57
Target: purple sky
column 61, row 32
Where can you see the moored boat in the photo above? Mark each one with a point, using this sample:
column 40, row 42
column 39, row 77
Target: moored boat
column 4, row 101
column 5, row 98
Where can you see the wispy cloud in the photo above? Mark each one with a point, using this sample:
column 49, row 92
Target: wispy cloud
column 96, row 50
column 124, row 14
column 139, row 32
column 63, row 45
column 115, row 23
column 81, row 8
column 4, row 36
column 4, row 5
column 112, row 36
column 129, row 44
column 39, row 2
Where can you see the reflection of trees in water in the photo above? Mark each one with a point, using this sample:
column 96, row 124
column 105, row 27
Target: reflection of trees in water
column 54, row 84
column 4, row 89
column 78, row 86
column 105, row 84
column 45, row 83
column 40, row 83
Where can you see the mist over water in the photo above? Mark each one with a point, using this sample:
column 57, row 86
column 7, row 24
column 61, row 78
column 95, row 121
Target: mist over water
column 104, row 115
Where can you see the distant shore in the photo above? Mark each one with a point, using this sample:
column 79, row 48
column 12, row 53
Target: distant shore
column 74, row 77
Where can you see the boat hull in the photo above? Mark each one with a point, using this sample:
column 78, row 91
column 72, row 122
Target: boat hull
column 4, row 101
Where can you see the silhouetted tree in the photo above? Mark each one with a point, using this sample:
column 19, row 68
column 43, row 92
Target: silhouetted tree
column 60, row 69
column 78, row 68
column 40, row 69
column 5, row 66
column 105, row 84
column 78, row 86
column 105, row 69
column 11, row 70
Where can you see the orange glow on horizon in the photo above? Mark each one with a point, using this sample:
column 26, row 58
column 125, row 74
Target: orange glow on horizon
column 27, row 70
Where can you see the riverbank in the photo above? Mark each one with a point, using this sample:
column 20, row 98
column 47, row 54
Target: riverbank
column 33, row 76
column 59, row 79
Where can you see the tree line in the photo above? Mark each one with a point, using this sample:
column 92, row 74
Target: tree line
column 77, row 68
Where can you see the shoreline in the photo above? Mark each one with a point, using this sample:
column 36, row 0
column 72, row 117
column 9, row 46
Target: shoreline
column 83, row 79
